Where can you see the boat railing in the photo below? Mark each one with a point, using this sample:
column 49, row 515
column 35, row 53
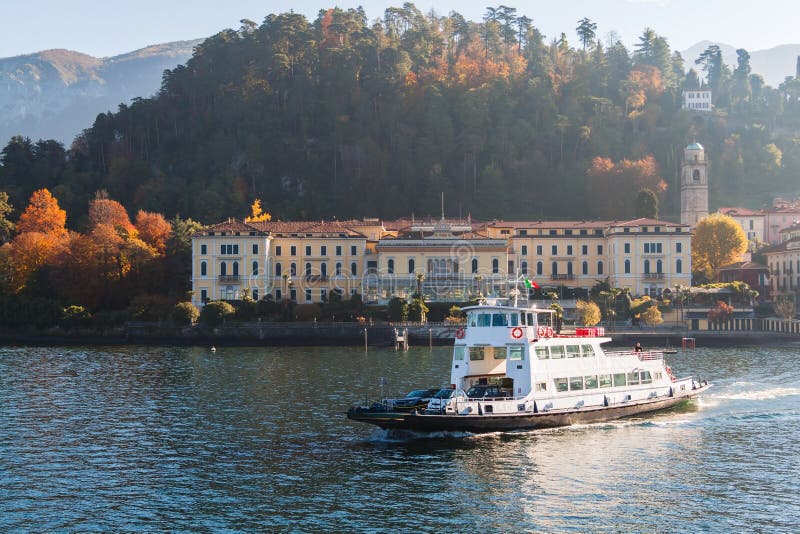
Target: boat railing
column 642, row 355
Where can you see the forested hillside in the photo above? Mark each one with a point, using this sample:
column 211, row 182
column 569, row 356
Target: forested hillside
column 344, row 117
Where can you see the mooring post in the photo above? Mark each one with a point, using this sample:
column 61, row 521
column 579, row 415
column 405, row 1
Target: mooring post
column 430, row 338
column 365, row 340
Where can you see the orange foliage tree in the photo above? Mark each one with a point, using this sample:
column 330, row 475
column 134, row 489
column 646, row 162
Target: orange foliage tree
column 110, row 212
column 153, row 229
column 613, row 186
column 257, row 214
column 30, row 251
column 43, row 215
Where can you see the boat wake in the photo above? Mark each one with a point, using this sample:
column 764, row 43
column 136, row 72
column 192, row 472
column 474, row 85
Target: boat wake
column 380, row 435
column 757, row 395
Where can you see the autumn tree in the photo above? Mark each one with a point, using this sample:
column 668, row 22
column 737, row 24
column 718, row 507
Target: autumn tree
column 588, row 312
column 43, row 215
column 104, row 211
column 651, row 316
column 6, row 226
column 257, row 214
column 153, row 229
column 718, row 241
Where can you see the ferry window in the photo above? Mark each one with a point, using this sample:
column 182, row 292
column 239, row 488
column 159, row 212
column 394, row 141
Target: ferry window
column 514, row 319
column 590, row 381
column 619, row 379
column 605, row 381
column 476, row 353
column 561, row 384
column 458, row 352
column 541, row 386
column 588, row 351
column 472, row 319
column 516, row 353
column 522, row 316
column 573, row 351
column 633, row 378
column 484, row 319
column 499, row 353
column 499, row 319
column 657, row 376
column 645, row 377
column 542, row 353
column 575, row 383
column 557, row 352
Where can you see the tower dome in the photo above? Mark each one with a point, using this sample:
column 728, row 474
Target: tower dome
column 694, row 146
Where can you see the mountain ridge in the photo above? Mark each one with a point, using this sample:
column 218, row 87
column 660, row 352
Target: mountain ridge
column 774, row 64
column 56, row 93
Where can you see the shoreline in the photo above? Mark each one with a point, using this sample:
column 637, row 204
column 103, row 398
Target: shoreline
column 313, row 334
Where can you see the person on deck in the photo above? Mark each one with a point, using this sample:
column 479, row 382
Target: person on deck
column 638, row 347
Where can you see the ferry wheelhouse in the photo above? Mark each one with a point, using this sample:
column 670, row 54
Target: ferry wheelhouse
column 539, row 377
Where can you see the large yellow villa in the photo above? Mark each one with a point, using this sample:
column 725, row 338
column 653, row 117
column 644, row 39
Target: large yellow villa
column 449, row 260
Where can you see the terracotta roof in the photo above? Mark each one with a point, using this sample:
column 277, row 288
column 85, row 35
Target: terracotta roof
column 602, row 223
column 231, row 225
column 306, row 227
column 741, row 212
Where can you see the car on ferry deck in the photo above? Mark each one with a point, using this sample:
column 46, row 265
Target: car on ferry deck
column 418, row 398
column 440, row 401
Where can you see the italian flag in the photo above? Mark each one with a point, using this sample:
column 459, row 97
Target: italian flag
column 530, row 284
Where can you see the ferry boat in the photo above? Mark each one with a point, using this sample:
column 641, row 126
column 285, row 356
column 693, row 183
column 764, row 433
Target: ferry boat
column 538, row 378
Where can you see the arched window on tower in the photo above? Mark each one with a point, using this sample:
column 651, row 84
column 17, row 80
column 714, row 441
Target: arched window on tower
column 696, row 175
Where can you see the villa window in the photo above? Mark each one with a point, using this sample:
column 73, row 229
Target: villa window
column 278, row 269
column 203, row 268
column 495, row 266
column 599, row 267
column 390, row 266
column 524, row 250
column 293, row 250
column 554, row 268
column 474, row 265
column 323, row 269
column 585, row 267
column 539, row 268
column 338, row 250
column 338, row 270
column 646, row 266
column 678, row 266
column 353, row 269
column 308, row 269
column 323, row 250
column 203, row 249
column 255, row 269
column 255, row 293
column 255, row 250
column 627, row 266
column 223, row 269
column 236, row 268
column 411, row 266
column 293, row 269
column 278, row 250
column 524, row 267
column 659, row 266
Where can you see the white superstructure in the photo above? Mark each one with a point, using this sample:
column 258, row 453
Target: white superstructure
column 539, row 370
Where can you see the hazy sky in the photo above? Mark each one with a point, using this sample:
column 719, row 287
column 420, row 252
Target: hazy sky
column 109, row 27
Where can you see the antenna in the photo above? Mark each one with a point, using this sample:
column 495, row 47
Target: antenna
column 442, row 204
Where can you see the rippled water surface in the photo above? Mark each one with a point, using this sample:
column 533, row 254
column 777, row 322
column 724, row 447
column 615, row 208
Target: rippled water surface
column 142, row 438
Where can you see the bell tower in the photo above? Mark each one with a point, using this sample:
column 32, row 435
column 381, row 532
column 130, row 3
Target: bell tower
column 694, row 184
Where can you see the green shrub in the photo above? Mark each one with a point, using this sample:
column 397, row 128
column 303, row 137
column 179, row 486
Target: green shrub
column 215, row 312
column 185, row 313
column 306, row 312
column 397, row 309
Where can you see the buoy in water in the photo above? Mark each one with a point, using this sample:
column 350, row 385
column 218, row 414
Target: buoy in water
column 213, row 348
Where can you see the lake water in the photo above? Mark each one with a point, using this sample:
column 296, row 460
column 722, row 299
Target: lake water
column 254, row 439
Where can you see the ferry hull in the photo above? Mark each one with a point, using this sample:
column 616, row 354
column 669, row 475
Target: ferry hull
column 522, row 421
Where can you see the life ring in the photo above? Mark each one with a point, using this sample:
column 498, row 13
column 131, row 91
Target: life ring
column 460, row 333
column 549, row 331
column 541, row 331
column 517, row 332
